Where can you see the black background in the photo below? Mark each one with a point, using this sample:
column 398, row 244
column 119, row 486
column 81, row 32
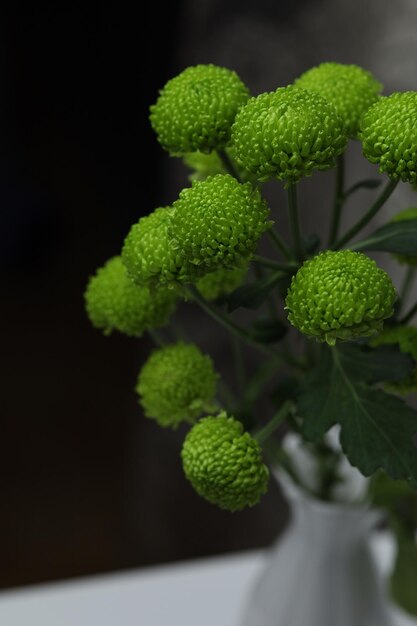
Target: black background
column 88, row 485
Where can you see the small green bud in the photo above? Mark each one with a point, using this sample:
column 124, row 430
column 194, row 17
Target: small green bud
column 406, row 214
column 177, row 384
column 405, row 337
column 196, row 109
column 203, row 165
column 287, row 134
column 221, row 282
column 216, row 223
column 114, row 302
column 147, row 253
column 388, row 132
column 224, row 463
column 340, row 295
column 349, row 88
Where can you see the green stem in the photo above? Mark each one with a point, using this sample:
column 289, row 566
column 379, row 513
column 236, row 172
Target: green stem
column 406, row 285
column 409, row 315
column 228, row 399
column 339, row 199
column 240, row 332
column 228, row 164
column 269, row 300
column 262, row 435
column 295, row 223
column 239, row 365
column 290, row 267
column 280, row 243
column 379, row 202
column 156, row 337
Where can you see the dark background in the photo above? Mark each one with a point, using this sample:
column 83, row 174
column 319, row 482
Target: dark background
column 89, row 485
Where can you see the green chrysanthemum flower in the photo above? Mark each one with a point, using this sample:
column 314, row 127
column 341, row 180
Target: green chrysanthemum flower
column 224, row 463
column 349, row 88
column 287, row 134
column 216, row 223
column 177, row 384
column 196, row 109
column 389, row 135
column 147, row 253
column 406, row 338
column 340, row 295
column 406, row 214
column 114, row 302
column 221, row 282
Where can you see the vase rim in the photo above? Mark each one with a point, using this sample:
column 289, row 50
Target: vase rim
column 298, row 494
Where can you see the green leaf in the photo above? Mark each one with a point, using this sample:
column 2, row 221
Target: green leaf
column 253, row 295
column 397, row 237
column 404, row 576
column 267, row 330
column 371, row 365
column 377, row 429
column 397, row 498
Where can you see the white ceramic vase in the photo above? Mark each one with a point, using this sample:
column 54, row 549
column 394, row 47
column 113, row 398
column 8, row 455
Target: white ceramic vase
column 322, row 571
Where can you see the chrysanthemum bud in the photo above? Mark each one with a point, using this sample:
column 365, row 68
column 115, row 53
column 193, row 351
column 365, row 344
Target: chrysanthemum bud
column 388, row 132
column 340, row 295
column 216, row 223
column 221, row 282
column 114, row 302
column 177, row 384
column 287, row 134
column 224, row 463
column 349, row 88
column 196, row 109
column 406, row 214
column 147, row 253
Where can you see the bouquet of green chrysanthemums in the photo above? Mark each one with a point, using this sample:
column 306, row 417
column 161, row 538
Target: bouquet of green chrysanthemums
column 359, row 356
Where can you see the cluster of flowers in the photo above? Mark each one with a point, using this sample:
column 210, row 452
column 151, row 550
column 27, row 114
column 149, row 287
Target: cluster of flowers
column 208, row 236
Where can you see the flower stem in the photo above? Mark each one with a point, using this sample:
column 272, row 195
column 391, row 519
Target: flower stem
column 228, row 164
column 262, row 435
column 239, row 365
column 389, row 188
column 409, row 315
column 339, row 198
column 156, row 337
column 406, row 285
column 290, row 267
column 295, row 223
column 280, row 243
column 237, row 330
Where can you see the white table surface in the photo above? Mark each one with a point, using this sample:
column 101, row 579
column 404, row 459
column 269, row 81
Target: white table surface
column 206, row 592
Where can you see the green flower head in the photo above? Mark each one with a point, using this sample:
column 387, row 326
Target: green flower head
column 287, row 134
column 406, row 214
column 147, row 253
column 405, row 337
column 221, row 282
column 216, row 224
column 389, row 135
column 114, row 302
column 196, row 109
column 340, row 295
column 224, row 463
column 349, row 88
column 177, row 384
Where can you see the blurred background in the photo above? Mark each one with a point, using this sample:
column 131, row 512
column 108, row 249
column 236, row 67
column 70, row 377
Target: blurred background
column 88, row 484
